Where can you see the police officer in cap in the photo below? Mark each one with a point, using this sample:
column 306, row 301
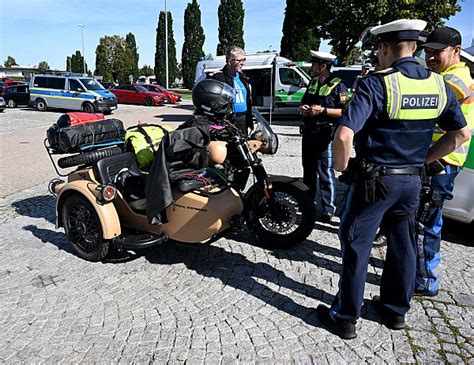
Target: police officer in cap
column 322, row 106
column 391, row 120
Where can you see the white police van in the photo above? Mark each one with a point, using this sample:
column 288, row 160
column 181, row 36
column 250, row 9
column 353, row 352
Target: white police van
column 71, row 92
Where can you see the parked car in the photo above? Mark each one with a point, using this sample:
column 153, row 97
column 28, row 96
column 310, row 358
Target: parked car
column 71, row 92
column 108, row 84
column 170, row 96
column 16, row 95
column 2, row 105
column 7, row 82
column 137, row 94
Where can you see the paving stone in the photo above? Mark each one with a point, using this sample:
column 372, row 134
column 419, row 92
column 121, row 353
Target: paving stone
column 224, row 302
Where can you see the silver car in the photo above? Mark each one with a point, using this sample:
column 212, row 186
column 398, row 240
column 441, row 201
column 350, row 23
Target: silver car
column 2, row 104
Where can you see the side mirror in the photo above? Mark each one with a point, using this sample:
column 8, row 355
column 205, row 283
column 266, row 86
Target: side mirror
column 302, row 83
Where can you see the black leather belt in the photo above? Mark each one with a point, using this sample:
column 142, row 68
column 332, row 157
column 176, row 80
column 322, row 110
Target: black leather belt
column 400, row 170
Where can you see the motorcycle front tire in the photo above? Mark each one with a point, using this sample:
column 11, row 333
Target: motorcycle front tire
column 289, row 222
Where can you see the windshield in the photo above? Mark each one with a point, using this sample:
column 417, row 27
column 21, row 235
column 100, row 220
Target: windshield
column 264, row 133
column 304, row 73
column 92, row 84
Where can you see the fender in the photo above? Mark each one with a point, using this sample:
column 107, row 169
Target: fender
column 107, row 213
column 279, row 178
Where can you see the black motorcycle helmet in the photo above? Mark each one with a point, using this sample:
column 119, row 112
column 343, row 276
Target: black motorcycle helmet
column 213, row 98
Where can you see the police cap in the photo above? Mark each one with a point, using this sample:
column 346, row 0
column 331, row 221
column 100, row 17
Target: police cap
column 399, row 30
column 317, row 56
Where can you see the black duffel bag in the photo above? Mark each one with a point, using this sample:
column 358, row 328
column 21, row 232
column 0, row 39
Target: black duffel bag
column 73, row 139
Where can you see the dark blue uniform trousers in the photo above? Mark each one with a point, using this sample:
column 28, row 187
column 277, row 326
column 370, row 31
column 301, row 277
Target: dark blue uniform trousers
column 359, row 223
column 318, row 166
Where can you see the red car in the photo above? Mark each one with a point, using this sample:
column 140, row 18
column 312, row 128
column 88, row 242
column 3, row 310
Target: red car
column 137, row 94
column 170, row 96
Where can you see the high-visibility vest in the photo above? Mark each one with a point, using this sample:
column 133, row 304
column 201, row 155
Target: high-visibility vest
column 402, row 134
column 325, row 89
column 459, row 79
column 414, row 99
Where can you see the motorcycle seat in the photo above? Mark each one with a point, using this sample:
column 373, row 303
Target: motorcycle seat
column 107, row 168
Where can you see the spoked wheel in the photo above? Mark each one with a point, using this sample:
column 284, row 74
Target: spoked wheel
column 83, row 228
column 284, row 220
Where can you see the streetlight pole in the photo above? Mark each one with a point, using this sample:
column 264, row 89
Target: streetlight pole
column 166, row 46
column 83, row 54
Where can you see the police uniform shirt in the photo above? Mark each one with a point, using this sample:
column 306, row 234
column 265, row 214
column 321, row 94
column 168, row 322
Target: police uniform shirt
column 332, row 101
column 368, row 107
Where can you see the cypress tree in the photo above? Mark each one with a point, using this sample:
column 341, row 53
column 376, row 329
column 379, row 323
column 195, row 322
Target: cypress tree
column 299, row 26
column 160, row 54
column 77, row 63
column 132, row 47
column 231, row 25
column 193, row 43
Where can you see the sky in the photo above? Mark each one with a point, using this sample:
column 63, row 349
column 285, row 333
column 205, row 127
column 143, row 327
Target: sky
column 48, row 30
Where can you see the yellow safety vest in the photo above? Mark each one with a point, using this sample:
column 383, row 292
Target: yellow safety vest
column 414, row 99
column 325, row 89
column 459, row 79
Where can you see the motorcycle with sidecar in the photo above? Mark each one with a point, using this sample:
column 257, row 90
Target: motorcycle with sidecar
column 233, row 188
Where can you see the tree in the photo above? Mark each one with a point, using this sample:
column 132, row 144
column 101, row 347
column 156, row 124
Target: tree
column 299, row 36
column 10, row 61
column 193, row 42
column 146, row 71
column 113, row 59
column 342, row 21
column 68, row 64
column 132, row 46
column 160, row 54
column 43, row 66
column 76, row 62
column 231, row 25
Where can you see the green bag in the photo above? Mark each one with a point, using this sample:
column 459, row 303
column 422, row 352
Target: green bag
column 144, row 140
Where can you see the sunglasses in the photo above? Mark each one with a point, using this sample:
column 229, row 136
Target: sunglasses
column 242, row 60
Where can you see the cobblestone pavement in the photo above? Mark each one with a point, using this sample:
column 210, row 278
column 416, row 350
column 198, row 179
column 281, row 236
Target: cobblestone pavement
column 225, row 302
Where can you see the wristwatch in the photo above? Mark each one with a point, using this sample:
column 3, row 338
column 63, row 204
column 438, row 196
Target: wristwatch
column 325, row 111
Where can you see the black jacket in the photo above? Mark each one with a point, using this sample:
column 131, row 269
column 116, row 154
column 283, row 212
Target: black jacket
column 158, row 190
column 225, row 76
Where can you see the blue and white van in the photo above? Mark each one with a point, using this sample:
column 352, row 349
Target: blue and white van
column 71, row 93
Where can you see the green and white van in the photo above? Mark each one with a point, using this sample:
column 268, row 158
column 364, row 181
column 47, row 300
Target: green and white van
column 265, row 70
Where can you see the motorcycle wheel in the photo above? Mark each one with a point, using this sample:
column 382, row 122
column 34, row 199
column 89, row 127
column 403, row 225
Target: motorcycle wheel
column 288, row 223
column 83, row 228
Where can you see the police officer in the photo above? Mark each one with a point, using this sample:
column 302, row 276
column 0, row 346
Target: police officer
column 232, row 75
column 442, row 51
column 321, row 108
column 392, row 116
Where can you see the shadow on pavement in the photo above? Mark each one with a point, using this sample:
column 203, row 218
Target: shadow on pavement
column 57, row 239
column 42, row 206
column 457, row 232
column 174, row 117
column 184, row 107
column 233, row 269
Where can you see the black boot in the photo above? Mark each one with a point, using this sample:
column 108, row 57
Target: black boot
column 344, row 329
column 391, row 319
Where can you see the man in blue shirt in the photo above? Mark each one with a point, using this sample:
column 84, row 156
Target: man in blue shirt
column 391, row 120
column 232, row 75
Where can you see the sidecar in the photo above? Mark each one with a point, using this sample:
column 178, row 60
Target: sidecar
column 100, row 210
